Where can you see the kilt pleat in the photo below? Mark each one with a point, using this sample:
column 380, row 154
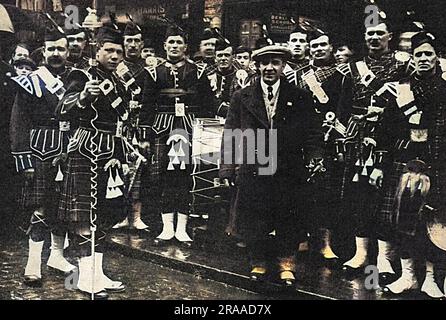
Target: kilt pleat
column 386, row 215
column 76, row 198
column 43, row 191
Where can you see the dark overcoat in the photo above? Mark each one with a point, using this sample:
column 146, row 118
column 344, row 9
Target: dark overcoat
column 299, row 140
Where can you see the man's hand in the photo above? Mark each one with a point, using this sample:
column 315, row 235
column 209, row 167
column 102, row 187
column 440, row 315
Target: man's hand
column 144, row 148
column 60, row 159
column 229, row 182
column 112, row 163
column 376, row 178
column 90, row 92
column 125, row 169
column 315, row 168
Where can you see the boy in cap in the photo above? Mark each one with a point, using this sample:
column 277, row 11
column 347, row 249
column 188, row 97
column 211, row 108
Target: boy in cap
column 24, row 66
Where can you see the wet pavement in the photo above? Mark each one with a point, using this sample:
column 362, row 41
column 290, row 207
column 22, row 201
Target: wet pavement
column 225, row 262
column 144, row 280
column 213, row 269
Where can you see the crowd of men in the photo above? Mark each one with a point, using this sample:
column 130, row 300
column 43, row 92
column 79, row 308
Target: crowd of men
column 99, row 121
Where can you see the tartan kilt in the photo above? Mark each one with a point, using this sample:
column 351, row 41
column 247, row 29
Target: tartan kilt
column 386, row 214
column 43, row 191
column 75, row 200
column 325, row 196
column 349, row 161
column 358, row 200
column 174, row 186
column 136, row 180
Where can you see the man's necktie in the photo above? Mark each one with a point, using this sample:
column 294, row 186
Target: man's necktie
column 270, row 93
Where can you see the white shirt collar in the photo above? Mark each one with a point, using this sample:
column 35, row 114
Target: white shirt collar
column 265, row 87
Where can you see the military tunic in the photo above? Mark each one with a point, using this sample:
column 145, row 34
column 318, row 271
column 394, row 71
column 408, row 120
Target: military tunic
column 174, row 95
column 37, row 137
column 98, row 139
column 367, row 90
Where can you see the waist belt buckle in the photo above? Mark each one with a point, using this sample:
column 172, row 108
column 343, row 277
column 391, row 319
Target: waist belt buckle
column 64, row 126
column 119, row 129
column 180, row 110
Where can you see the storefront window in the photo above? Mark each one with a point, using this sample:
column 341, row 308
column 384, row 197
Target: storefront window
column 250, row 31
column 32, row 5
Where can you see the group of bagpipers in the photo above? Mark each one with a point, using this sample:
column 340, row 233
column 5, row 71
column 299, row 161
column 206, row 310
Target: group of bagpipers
column 94, row 124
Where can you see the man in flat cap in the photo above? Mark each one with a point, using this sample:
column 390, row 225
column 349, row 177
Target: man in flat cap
column 283, row 117
column 415, row 177
column 92, row 194
column 38, row 140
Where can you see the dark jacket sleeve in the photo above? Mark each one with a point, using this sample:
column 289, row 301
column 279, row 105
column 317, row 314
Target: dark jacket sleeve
column 210, row 104
column 313, row 145
column 20, row 131
column 228, row 147
column 345, row 101
column 69, row 106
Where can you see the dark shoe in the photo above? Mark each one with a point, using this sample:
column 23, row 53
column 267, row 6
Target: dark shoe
column 257, row 274
column 161, row 242
column 101, row 295
column 185, row 244
column 119, row 288
column 140, row 232
column 331, row 263
column 386, row 278
column 319, row 259
column 33, row 281
column 350, row 272
column 287, row 278
column 428, row 297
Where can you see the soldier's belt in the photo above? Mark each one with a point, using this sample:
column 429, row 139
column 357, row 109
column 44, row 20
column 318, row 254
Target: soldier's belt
column 108, row 127
column 359, row 110
column 47, row 123
column 53, row 124
column 175, row 92
column 170, row 109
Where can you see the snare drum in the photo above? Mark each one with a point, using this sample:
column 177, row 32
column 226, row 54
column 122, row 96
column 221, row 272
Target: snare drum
column 436, row 231
column 207, row 135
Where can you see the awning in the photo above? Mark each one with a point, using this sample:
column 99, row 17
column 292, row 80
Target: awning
column 5, row 20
